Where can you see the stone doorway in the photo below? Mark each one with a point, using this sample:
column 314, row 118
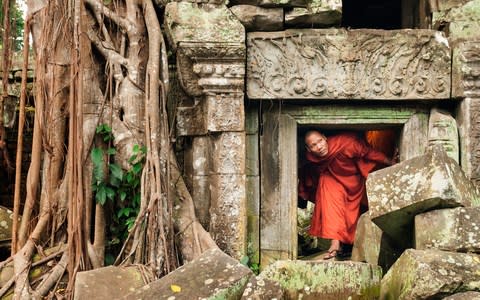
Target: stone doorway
column 279, row 153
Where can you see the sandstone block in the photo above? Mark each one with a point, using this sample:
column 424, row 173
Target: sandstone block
column 228, row 152
column 187, row 22
column 464, row 296
column 373, row 246
column 398, row 193
column 431, row 274
column 228, row 218
column 325, row 279
column 466, row 70
column 256, row 18
column 462, row 22
column 442, row 5
column 262, row 289
column 443, row 131
column 348, row 64
column 196, row 161
column 225, row 112
column 317, row 14
column 213, row 275
column 252, row 155
column 468, row 117
column 271, row 3
column 107, row 283
column 191, row 120
column 455, row 229
column 201, row 199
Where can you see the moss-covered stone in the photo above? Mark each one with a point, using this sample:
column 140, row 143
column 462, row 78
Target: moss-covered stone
column 263, row 289
column 462, row 22
column 464, row 296
column 213, row 275
column 431, row 274
column 454, row 229
column 325, row 279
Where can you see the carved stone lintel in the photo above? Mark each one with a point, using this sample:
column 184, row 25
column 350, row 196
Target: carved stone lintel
column 348, row 64
column 466, row 70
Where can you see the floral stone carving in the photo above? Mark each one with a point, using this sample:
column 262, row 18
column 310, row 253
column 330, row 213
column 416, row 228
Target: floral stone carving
column 348, row 64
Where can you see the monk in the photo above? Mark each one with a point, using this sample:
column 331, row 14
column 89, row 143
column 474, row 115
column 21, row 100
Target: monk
column 334, row 179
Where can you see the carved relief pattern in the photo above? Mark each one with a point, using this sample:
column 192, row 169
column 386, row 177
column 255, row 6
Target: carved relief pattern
column 332, row 63
column 470, row 69
column 475, row 141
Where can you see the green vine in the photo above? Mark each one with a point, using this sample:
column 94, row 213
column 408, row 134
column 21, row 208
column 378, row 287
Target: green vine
column 116, row 189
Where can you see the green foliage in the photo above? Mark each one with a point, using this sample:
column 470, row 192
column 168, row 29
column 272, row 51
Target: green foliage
column 245, row 260
column 116, row 187
column 16, row 25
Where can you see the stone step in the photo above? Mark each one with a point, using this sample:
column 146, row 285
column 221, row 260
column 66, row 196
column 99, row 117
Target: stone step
column 398, row 193
column 455, row 229
column 325, row 279
column 431, row 274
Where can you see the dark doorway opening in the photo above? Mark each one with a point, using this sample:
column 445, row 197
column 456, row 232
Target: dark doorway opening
column 382, row 139
column 376, row 14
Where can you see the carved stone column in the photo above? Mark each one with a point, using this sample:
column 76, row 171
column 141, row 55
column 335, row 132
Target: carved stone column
column 210, row 48
column 466, row 84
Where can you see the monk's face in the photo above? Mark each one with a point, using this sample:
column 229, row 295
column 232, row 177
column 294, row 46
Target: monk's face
column 317, row 144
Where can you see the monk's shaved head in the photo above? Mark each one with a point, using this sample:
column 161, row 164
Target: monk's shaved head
column 316, row 143
column 313, row 132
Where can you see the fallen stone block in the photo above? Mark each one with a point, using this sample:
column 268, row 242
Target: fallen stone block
column 464, row 296
column 431, row 274
column 213, row 275
column 108, row 283
column 373, row 246
column 262, row 289
column 256, row 18
column 325, row 279
column 455, row 229
column 398, row 193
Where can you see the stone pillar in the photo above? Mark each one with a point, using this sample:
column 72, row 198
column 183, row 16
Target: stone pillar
column 442, row 130
column 210, row 47
column 466, row 84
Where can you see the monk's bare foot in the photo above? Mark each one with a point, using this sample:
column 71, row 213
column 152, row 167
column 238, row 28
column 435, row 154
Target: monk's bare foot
column 333, row 250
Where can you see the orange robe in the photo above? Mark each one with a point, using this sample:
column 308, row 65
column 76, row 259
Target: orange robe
column 336, row 183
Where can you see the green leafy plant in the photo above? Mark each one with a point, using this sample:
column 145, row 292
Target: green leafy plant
column 116, row 189
column 245, row 260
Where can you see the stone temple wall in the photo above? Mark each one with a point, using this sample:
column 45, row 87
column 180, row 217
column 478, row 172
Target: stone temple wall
column 261, row 52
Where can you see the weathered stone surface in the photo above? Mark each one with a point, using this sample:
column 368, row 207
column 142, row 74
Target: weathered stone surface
column 325, row 279
column 252, row 155
column 431, row 274
column 466, row 70
column 398, row 193
column 191, row 119
column 225, row 112
column 317, row 14
column 108, row 283
column 6, row 221
column 454, row 229
column 210, row 47
column 201, row 199
column 373, row 246
column 442, row 5
column 414, row 137
column 213, row 275
column 464, row 296
column 228, row 222
column 271, row 3
column 256, row 18
column 186, row 22
column 348, row 64
column 196, row 156
column 262, row 289
column 461, row 22
column 228, row 153
column 253, row 218
column 443, row 131
column 468, row 120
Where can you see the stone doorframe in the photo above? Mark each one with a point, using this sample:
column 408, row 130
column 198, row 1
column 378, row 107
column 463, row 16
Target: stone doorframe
column 278, row 159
